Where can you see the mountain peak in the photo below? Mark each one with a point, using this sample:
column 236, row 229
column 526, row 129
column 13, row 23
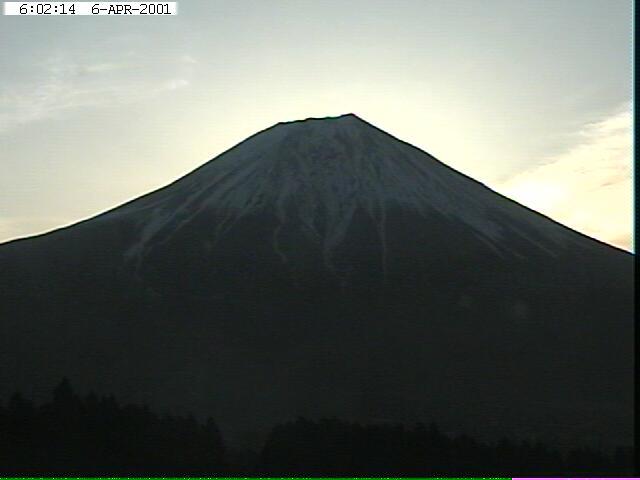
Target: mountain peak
column 342, row 117
column 321, row 177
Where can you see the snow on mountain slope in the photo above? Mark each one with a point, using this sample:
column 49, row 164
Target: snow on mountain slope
column 315, row 174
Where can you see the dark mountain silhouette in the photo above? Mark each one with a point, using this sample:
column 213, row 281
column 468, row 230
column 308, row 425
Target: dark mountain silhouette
column 324, row 268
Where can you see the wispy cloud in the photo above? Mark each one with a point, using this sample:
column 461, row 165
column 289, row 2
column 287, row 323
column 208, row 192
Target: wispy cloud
column 104, row 67
column 64, row 83
column 186, row 58
column 589, row 186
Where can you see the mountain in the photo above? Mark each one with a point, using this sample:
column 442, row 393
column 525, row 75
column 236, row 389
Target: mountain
column 325, row 268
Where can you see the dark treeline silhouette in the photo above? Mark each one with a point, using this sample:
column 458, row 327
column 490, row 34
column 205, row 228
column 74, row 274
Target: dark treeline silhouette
column 96, row 436
column 91, row 435
column 333, row 447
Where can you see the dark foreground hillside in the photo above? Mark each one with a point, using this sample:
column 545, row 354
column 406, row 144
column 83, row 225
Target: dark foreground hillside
column 91, row 435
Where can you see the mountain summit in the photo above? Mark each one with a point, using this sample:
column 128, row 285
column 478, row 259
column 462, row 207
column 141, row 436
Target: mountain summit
column 313, row 180
column 325, row 268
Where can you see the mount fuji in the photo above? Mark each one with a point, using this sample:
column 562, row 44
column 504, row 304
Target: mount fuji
column 325, row 268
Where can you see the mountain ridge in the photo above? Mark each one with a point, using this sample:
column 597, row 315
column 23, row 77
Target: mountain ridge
column 346, row 116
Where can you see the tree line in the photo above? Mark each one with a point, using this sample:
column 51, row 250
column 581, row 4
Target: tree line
column 332, row 447
column 95, row 435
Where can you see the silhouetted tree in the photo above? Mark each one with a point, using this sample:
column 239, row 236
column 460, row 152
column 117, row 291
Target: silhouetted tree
column 333, row 447
column 97, row 436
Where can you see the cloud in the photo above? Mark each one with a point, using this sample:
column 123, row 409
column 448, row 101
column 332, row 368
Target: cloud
column 174, row 84
column 588, row 187
column 65, row 82
column 104, row 67
column 188, row 59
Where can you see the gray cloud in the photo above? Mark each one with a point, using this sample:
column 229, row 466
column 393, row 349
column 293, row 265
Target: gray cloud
column 64, row 82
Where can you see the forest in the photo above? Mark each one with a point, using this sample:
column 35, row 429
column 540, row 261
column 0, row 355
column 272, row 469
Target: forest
column 95, row 435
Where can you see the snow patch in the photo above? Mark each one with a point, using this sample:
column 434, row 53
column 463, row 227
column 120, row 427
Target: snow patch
column 315, row 174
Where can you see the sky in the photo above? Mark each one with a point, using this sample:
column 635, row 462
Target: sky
column 530, row 97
